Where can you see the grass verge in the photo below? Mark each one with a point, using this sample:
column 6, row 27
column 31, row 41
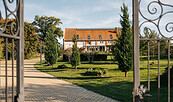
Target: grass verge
column 114, row 84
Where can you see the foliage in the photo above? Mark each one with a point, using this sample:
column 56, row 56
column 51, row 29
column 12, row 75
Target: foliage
column 8, row 27
column 113, row 84
column 153, row 44
column 7, row 31
column 43, row 24
column 144, row 43
column 67, row 53
column 62, row 66
column 32, row 43
column 31, row 39
column 82, row 50
column 124, row 46
column 90, row 56
column 164, row 47
column 59, row 49
column 1, row 47
column 75, row 57
column 85, row 57
column 51, row 54
column 96, row 72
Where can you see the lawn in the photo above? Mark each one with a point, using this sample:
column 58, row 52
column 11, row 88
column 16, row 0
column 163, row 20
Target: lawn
column 113, row 84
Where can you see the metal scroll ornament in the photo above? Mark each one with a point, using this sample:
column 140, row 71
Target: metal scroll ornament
column 142, row 92
column 160, row 13
column 14, row 26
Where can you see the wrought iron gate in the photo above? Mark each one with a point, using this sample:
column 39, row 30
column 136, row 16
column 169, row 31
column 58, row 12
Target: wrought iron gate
column 11, row 71
column 163, row 27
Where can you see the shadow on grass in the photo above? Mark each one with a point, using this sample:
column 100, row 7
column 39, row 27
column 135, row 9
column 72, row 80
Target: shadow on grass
column 50, row 70
column 40, row 77
column 81, row 78
column 96, row 63
column 122, row 91
column 147, row 68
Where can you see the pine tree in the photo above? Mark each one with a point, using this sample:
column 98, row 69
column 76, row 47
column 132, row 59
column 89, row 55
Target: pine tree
column 75, row 57
column 51, row 54
column 124, row 52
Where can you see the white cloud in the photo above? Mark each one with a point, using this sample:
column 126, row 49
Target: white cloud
column 80, row 17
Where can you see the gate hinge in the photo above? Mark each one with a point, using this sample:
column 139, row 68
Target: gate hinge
column 142, row 92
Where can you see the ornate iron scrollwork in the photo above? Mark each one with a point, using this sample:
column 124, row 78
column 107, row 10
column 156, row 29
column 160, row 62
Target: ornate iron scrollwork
column 157, row 21
column 14, row 26
column 142, row 92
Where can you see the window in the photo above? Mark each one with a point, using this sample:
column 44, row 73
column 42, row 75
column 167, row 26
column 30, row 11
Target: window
column 100, row 37
column 77, row 36
column 111, row 36
column 88, row 36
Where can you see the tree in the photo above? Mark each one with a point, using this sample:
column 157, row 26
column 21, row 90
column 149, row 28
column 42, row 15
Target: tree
column 163, row 47
column 75, row 57
column 1, row 47
column 51, row 54
column 43, row 24
column 31, row 40
column 124, row 46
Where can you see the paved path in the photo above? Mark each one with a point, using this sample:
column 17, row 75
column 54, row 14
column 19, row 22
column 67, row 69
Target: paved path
column 42, row 87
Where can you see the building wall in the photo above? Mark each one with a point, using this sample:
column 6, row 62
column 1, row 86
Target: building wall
column 81, row 44
column 68, row 44
column 84, row 41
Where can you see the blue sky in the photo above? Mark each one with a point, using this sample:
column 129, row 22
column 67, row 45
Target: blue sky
column 94, row 13
column 78, row 13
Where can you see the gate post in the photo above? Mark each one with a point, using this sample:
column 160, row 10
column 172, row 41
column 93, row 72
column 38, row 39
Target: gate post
column 136, row 71
column 20, row 54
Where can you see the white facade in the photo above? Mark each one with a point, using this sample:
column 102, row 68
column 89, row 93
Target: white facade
column 90, row 45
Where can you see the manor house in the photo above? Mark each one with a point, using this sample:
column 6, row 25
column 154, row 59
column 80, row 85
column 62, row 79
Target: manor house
column 100, row 39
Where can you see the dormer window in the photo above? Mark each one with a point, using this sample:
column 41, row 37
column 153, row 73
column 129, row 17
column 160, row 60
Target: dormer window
column 88, row 36
column 100, row 37
column 111, row 36
column 77, row 36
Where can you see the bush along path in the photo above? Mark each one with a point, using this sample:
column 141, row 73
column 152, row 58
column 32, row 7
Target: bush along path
column 42, row 87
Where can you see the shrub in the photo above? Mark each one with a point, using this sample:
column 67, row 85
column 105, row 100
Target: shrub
column 96, row 72
column 105, row 71
column 62, row 66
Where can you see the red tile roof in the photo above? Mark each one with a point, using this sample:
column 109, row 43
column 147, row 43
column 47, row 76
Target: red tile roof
column 94, row 34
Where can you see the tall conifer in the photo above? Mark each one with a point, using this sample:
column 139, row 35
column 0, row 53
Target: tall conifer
column 124, row 44
column 75, row 58
column 51, row 54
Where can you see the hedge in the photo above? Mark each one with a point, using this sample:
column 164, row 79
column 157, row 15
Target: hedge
column 83, row 57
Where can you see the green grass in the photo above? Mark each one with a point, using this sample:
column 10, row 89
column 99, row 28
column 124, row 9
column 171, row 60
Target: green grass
column 114, row 84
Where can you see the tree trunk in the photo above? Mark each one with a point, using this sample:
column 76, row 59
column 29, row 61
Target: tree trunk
column 126, row 74
column 75, row 68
